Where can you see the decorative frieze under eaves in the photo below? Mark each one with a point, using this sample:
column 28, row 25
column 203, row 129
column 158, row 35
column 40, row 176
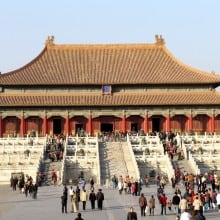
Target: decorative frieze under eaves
column 103, row 112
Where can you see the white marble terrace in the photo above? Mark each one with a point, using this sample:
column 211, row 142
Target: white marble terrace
column 148, row 151
column 20, row 155
column 81, row 154
column 203, row 150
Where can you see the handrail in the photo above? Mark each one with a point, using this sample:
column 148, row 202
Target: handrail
column 133, row 159
column 170, row 170
column 193, row 164
column 98, row 162
column 63, row 167
column 190, row 159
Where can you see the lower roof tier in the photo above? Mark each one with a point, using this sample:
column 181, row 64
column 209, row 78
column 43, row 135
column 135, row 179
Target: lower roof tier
column 125, row 99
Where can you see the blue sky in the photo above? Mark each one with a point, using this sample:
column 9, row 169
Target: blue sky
column 191, row 28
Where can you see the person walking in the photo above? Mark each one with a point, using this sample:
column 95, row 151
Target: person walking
column 64, row 199
column 35, row 189
column 74, row 202
column 114, row 182
column 77, row 196
column 197, row 204
column 199, row 216
column 120, row 186
column 100, row 199
column 175, row 203
column 131, row 214
column 64, row 204
column 92, row 198
column 79, row 217
column 151, row 204
column 84, row 198
column 70, row 191
column 183, row 205
column 163, row 202
column 142, row 204
column 54, row 177
column 91, row 183
column 185, row 215
column 218, row 201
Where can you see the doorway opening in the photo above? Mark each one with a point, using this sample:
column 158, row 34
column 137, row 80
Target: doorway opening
column 79, row 129
column 134, row 127
column 156, row 124
column 106, row 127
column 57, row 126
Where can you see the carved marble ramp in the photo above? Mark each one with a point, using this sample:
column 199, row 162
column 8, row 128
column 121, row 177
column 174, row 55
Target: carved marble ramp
column 115, row 159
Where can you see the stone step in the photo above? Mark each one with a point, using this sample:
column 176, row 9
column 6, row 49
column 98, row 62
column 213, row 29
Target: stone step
column 114, row 158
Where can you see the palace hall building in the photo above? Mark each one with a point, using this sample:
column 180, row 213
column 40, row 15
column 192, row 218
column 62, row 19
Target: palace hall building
column 107, row 87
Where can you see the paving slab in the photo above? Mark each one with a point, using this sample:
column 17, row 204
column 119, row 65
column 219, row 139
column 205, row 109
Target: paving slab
column 14, row 205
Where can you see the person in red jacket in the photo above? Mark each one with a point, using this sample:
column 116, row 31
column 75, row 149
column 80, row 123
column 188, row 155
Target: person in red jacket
column 163, row 202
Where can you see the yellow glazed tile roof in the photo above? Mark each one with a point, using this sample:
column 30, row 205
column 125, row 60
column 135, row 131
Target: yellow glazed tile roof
column 117, row 99
column 106, row 64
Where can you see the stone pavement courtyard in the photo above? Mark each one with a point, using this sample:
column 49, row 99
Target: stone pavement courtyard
column 14, row 205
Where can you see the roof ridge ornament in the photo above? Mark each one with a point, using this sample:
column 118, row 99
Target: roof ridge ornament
column 49, row 41
column 159, row 40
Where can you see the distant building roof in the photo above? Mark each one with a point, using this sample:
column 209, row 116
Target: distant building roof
column 106, row 64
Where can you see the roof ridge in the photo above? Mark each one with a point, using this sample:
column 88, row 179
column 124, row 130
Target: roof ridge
column 159, row 41
column 102, row 46
column 49, row 43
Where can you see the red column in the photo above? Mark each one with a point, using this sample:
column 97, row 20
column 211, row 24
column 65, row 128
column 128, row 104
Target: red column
column 123, row 124
column 212, row 123
column 168, row 123
column 146, row 124
column 189, row 122
column 22, row 126
column 67, row 125
column 44, row 125
column 1, row 127
column 89, row 127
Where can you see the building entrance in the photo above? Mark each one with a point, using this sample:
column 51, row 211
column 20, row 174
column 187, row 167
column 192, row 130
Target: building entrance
column 106, row 127
column 134, row 127
column 56, row 126
column 156, row 124
column 79, row 129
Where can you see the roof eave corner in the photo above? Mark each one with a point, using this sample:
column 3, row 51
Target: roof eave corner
column 49, row 41
column 159, row 41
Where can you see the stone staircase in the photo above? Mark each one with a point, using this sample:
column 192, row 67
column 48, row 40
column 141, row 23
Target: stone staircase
column 47, row 168
column 115, row 159
column 183, row 165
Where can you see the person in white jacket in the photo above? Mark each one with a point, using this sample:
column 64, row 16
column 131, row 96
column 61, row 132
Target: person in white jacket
column 120, row 186
column 183, row 205
column 185, row 215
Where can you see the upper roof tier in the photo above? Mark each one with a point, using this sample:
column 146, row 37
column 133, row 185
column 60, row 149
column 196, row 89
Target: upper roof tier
column 106, row 64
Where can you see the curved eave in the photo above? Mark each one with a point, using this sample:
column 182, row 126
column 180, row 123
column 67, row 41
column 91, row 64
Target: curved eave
column 212, row 78
column 143, row 99
column 110, row 64
column 19, row 70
